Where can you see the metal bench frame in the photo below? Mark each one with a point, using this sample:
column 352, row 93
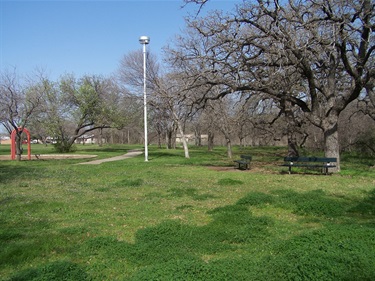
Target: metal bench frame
column 243, row 163
column 325, row 163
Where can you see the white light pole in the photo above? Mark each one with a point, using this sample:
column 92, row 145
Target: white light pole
column 144, row 40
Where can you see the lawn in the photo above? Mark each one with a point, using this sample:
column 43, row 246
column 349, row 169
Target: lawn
column 184, row 219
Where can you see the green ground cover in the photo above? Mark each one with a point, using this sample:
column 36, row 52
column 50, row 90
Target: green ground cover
column 184, row 219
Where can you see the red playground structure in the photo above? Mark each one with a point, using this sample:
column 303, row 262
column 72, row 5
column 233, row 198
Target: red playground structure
column 13, row 143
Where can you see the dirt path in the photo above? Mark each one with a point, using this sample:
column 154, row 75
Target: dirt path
column 131, row 153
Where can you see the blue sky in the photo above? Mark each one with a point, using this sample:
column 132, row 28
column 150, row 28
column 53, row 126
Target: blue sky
column 87, row 37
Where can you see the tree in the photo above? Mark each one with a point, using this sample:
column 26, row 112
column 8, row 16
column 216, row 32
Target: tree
column 163, row 94
column 20, row 100
column 130, row 78
column 167, row 99
column 357, row 128
column 325, row 49
column 367, row 103
column 224, row 119
column 74, row 107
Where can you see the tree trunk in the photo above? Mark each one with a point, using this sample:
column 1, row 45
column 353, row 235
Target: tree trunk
column 100, row 140
column 210, row 140
column 292, row 148
column 159, row 139
column 182, row 133
column 198, row 137
column 242, row 141
column 292, row 142
column 184, row 143
column 19, row 149
column 291, row 125
column 229, row 149
column 331, row 145
column 168, row 136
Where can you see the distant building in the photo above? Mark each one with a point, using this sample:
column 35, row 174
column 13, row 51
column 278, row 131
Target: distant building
column 5, row 139
column 190, row 138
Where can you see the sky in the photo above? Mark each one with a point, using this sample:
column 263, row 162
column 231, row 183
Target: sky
column 87, row 37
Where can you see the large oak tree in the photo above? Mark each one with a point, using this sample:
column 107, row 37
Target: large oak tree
column 317, row 55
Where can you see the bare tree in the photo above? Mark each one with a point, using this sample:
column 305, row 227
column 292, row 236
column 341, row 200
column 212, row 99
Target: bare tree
column 130, row 72
column 167, row 99
column 326, row 46
column 357, row 128
column 130, row 78
column 224, row 119
column 206, row 123
column 165, row 127
column 366, row 104
column 164, row 92
column 20, row 100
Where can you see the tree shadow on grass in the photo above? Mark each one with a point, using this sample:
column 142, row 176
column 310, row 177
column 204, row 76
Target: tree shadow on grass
column 172, row 193
column 22, row 235
column 55, row 271
column 311, row 203
column 189, row 192
column 337, row 251
column 8, row 173
column 175, row 250
column 366, row 206
column 237, row 245
column 29, row 237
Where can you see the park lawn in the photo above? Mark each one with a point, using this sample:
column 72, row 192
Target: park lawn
column 185, row 219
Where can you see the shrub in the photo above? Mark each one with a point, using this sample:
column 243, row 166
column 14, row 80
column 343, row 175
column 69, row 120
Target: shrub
column 63, row 146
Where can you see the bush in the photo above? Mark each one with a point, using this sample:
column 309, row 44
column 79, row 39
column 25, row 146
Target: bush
column 63, row 146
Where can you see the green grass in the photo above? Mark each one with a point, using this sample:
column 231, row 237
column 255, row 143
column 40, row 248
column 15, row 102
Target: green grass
column 181, row 219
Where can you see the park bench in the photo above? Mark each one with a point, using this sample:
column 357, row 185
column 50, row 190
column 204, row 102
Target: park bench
column 243, row 163
column 310, row 162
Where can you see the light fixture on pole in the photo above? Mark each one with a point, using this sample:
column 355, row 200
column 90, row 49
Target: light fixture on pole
column 144, row 40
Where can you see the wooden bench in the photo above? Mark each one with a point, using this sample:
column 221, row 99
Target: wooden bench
column 310, row 162
column 243, row 163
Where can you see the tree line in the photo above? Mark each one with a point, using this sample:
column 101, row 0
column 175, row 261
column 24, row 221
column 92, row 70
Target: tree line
column 265, row 71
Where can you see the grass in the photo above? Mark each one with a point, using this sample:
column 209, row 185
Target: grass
column 180, row 219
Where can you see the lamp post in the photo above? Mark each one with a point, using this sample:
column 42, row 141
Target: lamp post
column 144, row 40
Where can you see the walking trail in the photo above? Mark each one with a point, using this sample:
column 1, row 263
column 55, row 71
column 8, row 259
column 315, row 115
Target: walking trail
column 131, row 153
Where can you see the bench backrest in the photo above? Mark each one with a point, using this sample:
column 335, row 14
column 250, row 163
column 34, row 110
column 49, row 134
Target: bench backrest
column 310, row 159
column 247, row 157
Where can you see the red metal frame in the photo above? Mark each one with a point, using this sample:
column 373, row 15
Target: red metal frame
column 13, row 143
